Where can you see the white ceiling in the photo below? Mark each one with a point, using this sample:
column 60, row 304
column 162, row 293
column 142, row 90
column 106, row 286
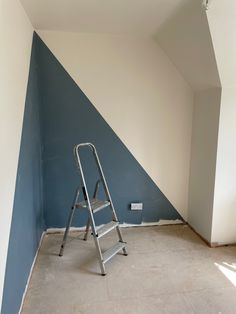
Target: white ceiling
column 100, row 16
column 179, row 26
column 186, row 39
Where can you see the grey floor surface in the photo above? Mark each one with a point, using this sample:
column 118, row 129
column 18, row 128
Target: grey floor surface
column 169, row 269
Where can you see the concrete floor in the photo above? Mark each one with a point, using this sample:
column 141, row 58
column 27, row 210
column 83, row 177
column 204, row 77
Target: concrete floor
column 169, row 269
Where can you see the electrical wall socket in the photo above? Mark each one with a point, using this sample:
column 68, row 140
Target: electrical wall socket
column 136, row 206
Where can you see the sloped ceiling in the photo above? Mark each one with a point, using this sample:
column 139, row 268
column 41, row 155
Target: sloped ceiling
column 180, row 27
column 186, row 38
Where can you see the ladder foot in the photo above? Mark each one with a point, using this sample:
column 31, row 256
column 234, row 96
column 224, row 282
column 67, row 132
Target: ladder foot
column 125, row 253
column 103, row 274
column 61, row 251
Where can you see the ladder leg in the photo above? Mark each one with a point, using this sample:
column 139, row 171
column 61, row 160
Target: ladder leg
column 87, row 229
column 99, row 253
column 96, row 241
column 66, row 231
column 69, row 222
column 96, row 189
column 109, row 197
column 118, row 229
column 121, row 240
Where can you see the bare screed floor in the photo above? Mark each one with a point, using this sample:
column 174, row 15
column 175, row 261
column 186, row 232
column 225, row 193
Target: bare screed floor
column 168, row 270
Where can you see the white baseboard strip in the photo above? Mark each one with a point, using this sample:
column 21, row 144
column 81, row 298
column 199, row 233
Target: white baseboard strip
column 31, row 271
column 161, row 222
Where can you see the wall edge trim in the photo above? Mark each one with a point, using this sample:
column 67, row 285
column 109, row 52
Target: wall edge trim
column 123, row 225
column 31, row 271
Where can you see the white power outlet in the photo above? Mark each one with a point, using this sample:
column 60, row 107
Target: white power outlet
column 136, row 206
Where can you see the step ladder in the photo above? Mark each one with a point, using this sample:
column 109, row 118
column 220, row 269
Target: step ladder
column 93, row 205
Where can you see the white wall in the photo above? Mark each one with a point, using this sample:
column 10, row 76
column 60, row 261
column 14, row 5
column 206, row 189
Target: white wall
column 222, row 22
column 141, row 95
column 15, row 47
column 203, row 160
column 224, row 217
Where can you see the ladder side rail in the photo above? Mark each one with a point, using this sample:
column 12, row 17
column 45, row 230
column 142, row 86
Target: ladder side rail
column 100, row 172
column 109, row 196
column 87, row 200
column 100, row 257
column 70, row 217
column 104, row 182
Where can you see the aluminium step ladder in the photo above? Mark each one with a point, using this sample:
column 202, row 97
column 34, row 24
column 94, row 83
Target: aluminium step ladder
column 93, row 205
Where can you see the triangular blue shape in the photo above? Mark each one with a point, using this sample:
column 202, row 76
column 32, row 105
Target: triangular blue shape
column 68, row 118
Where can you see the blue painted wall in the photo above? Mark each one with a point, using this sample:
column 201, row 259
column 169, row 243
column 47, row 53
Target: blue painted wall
column 68, row 118
column 27, row 220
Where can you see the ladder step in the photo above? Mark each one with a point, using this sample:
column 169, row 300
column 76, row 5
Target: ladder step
column 107, row 255
column 96, row 204
column 106, row 228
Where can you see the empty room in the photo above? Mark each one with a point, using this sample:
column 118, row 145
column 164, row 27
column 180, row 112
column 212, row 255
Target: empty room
column 118, row 189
